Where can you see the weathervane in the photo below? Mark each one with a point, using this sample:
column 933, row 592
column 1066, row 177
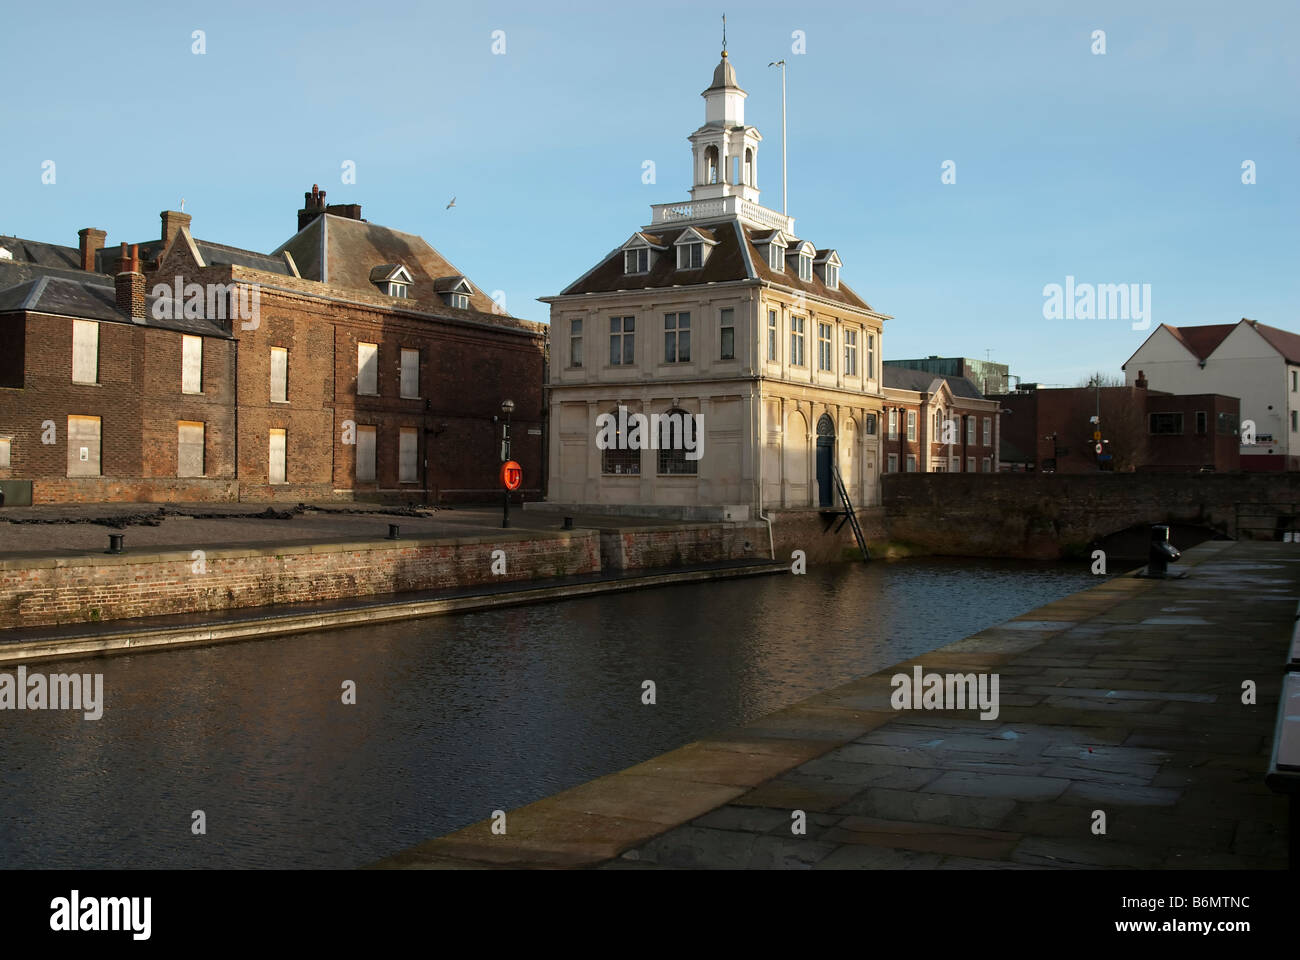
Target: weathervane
column 724, row 34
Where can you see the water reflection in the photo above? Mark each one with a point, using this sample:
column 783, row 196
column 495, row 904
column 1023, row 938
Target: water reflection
column 455, row 716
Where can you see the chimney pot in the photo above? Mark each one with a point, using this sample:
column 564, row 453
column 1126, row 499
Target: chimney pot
column 129, row 284
column 313, row 206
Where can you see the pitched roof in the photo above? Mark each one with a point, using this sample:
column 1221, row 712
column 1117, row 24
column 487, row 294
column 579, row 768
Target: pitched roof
column 343, row 252
column 88, row 297
column 42, row 254
column 905, row 378
column 1283, row 341
column 735, row 257
column 921, row 381
column 1203, row 340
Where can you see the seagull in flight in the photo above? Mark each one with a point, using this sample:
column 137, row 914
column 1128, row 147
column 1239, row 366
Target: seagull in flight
column 451, row 204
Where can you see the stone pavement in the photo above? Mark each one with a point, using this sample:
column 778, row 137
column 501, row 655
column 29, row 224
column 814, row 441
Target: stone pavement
column 1125, row 698
column 85, row 527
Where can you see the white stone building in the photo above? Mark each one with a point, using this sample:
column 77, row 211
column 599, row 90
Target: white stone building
column 717, row 308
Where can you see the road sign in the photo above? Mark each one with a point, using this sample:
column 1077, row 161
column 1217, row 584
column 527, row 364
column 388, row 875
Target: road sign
column 1096, row 434
column 1104, row 456
column 512, row 475
column 1098, row 448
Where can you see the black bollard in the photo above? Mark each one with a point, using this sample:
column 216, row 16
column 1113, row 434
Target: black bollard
column 392, row 532
column 568, row 523
column 115, row 543
column 1162, row 552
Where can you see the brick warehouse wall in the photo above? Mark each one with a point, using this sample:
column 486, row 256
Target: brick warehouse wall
column 469, row 364
column 466, row 369
column 100, row 587
column 1051, row 515
column 640, row 548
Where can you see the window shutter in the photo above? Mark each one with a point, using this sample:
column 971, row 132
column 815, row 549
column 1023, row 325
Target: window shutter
column 367, row 368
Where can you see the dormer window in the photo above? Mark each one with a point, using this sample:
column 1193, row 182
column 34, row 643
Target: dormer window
column 774, row 245
column 804, row 254
column 828, row 265
column 693, row 248
column 392, row 279
column 454, row 291
column 636, row 261
column 638, row 256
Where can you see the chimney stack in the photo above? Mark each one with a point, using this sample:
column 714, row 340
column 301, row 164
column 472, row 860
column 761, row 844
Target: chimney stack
column 90, row 243
column 1141, row 382
column 130, row 284
column 350, row 210
column 172, row 221
column 313, row 206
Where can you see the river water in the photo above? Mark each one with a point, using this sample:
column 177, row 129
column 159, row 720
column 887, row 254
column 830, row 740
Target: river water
column 455, row 716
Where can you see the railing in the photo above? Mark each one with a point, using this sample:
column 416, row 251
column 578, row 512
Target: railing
column 850, row 516
column 768, row 218
column 721, row 207
column 690, row 210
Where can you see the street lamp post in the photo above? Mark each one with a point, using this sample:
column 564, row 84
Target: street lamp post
column 507, row 407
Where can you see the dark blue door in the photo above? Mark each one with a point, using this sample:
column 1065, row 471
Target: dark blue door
column 825, row 451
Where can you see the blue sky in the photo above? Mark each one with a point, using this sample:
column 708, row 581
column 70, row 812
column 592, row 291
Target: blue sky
column 1115, row 168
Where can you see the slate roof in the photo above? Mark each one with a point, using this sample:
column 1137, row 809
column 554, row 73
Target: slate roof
column 343, row 252
column 42, row 254
column 86, row 296
column 921, row 381
column 736, row 257
column 221, row 253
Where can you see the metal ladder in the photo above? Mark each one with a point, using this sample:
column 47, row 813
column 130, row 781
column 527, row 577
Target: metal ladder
column 849, row 516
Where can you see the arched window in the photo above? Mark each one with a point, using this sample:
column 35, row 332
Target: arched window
column 676, row 434
column 619, row 459
column 749, row 166
column 710, row 164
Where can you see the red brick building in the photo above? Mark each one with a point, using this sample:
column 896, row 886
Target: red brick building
column 354, row 362
column 1140, row 429
column 937, row 424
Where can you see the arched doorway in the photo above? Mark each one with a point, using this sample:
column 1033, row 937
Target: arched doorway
column 825, row 457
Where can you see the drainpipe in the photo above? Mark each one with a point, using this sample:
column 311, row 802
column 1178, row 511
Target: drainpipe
column 234, row 404
column 762, row 448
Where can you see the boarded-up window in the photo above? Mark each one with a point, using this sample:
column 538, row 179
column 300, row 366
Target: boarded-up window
column 83, row 446
column 191, row 364
column 5, row 451
column 85, row 351
column 365, row 453
column 408, row 449
column 410, row 373
column 279, row 375
column 367, row 368
column 275, row 473
column 189, row 449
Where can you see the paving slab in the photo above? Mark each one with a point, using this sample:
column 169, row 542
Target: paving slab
column 1122, row 700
